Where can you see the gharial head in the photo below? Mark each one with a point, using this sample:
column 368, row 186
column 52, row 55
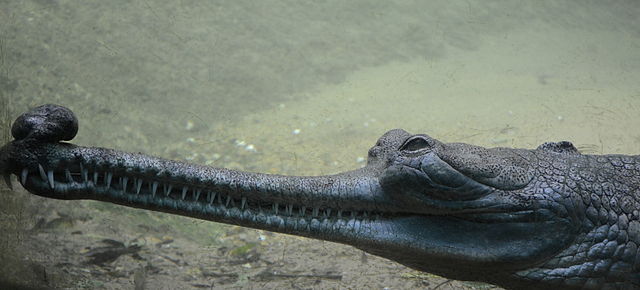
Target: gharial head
column 470, row 213
column 456, row 210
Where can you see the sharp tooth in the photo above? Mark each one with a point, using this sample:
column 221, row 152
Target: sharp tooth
column 167, row 189
column 196, row 194
column 95, row 178
column 184, row 192
column 303, row 210
column 154, row 187
column 226, row 204
column 43, row 175
column 125, row 180
column 339, row 214
column 290, row 209
column 84, row 172
column 23, row 176
column 50, row 177
column 7, row 180
column 46, row 176
column 243, row 203
column 107, row 178
column 138, row 185
column 275, row 208
column 315, row 211
column 67, row 173
column 327, row 212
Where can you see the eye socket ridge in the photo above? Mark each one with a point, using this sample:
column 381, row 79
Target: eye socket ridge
column 415, row 144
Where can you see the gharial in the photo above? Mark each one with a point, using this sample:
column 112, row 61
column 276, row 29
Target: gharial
column 518, row 218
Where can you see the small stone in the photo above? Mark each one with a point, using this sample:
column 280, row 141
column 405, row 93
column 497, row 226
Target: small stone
column 189, row 126
column 251, row 148
column 295, row 131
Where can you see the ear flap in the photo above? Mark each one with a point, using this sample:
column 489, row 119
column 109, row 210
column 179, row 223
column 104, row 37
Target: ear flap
column 496, row 167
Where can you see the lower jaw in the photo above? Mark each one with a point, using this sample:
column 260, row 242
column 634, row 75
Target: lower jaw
column 309, row 221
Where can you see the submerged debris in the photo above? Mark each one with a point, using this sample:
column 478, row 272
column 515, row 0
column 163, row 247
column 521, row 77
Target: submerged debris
column 111, row 252
column 269, row 274
column 164, row 242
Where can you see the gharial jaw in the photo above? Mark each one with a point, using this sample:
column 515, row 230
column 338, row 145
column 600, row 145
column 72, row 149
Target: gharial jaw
column 308, row 206
column 432, row 206
column 344, row 207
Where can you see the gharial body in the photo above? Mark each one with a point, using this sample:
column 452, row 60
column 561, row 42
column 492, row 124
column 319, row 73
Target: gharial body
column 521, row 219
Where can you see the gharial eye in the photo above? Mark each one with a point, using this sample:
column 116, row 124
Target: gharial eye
column 415, row 143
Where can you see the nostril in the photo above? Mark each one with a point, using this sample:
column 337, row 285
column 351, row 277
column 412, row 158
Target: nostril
column 48, row 123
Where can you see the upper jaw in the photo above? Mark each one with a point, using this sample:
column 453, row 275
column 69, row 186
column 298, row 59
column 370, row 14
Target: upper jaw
column 66, row 171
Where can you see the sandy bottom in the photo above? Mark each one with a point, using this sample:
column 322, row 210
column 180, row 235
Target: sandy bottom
column 535, row 83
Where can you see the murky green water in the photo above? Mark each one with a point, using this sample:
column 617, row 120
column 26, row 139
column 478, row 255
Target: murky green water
column 297, row 88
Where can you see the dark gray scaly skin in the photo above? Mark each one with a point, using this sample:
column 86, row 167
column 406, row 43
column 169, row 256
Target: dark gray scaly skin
column 522, row 219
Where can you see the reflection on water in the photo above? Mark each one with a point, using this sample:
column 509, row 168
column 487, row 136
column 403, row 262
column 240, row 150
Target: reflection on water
column 293, row 88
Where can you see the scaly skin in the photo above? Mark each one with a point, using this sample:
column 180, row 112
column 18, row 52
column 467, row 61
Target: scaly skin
column 522, row 219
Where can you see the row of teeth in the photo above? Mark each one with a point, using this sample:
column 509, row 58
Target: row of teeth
column 212, row 198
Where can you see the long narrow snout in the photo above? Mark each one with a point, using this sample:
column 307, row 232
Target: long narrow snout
column 305, row 205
